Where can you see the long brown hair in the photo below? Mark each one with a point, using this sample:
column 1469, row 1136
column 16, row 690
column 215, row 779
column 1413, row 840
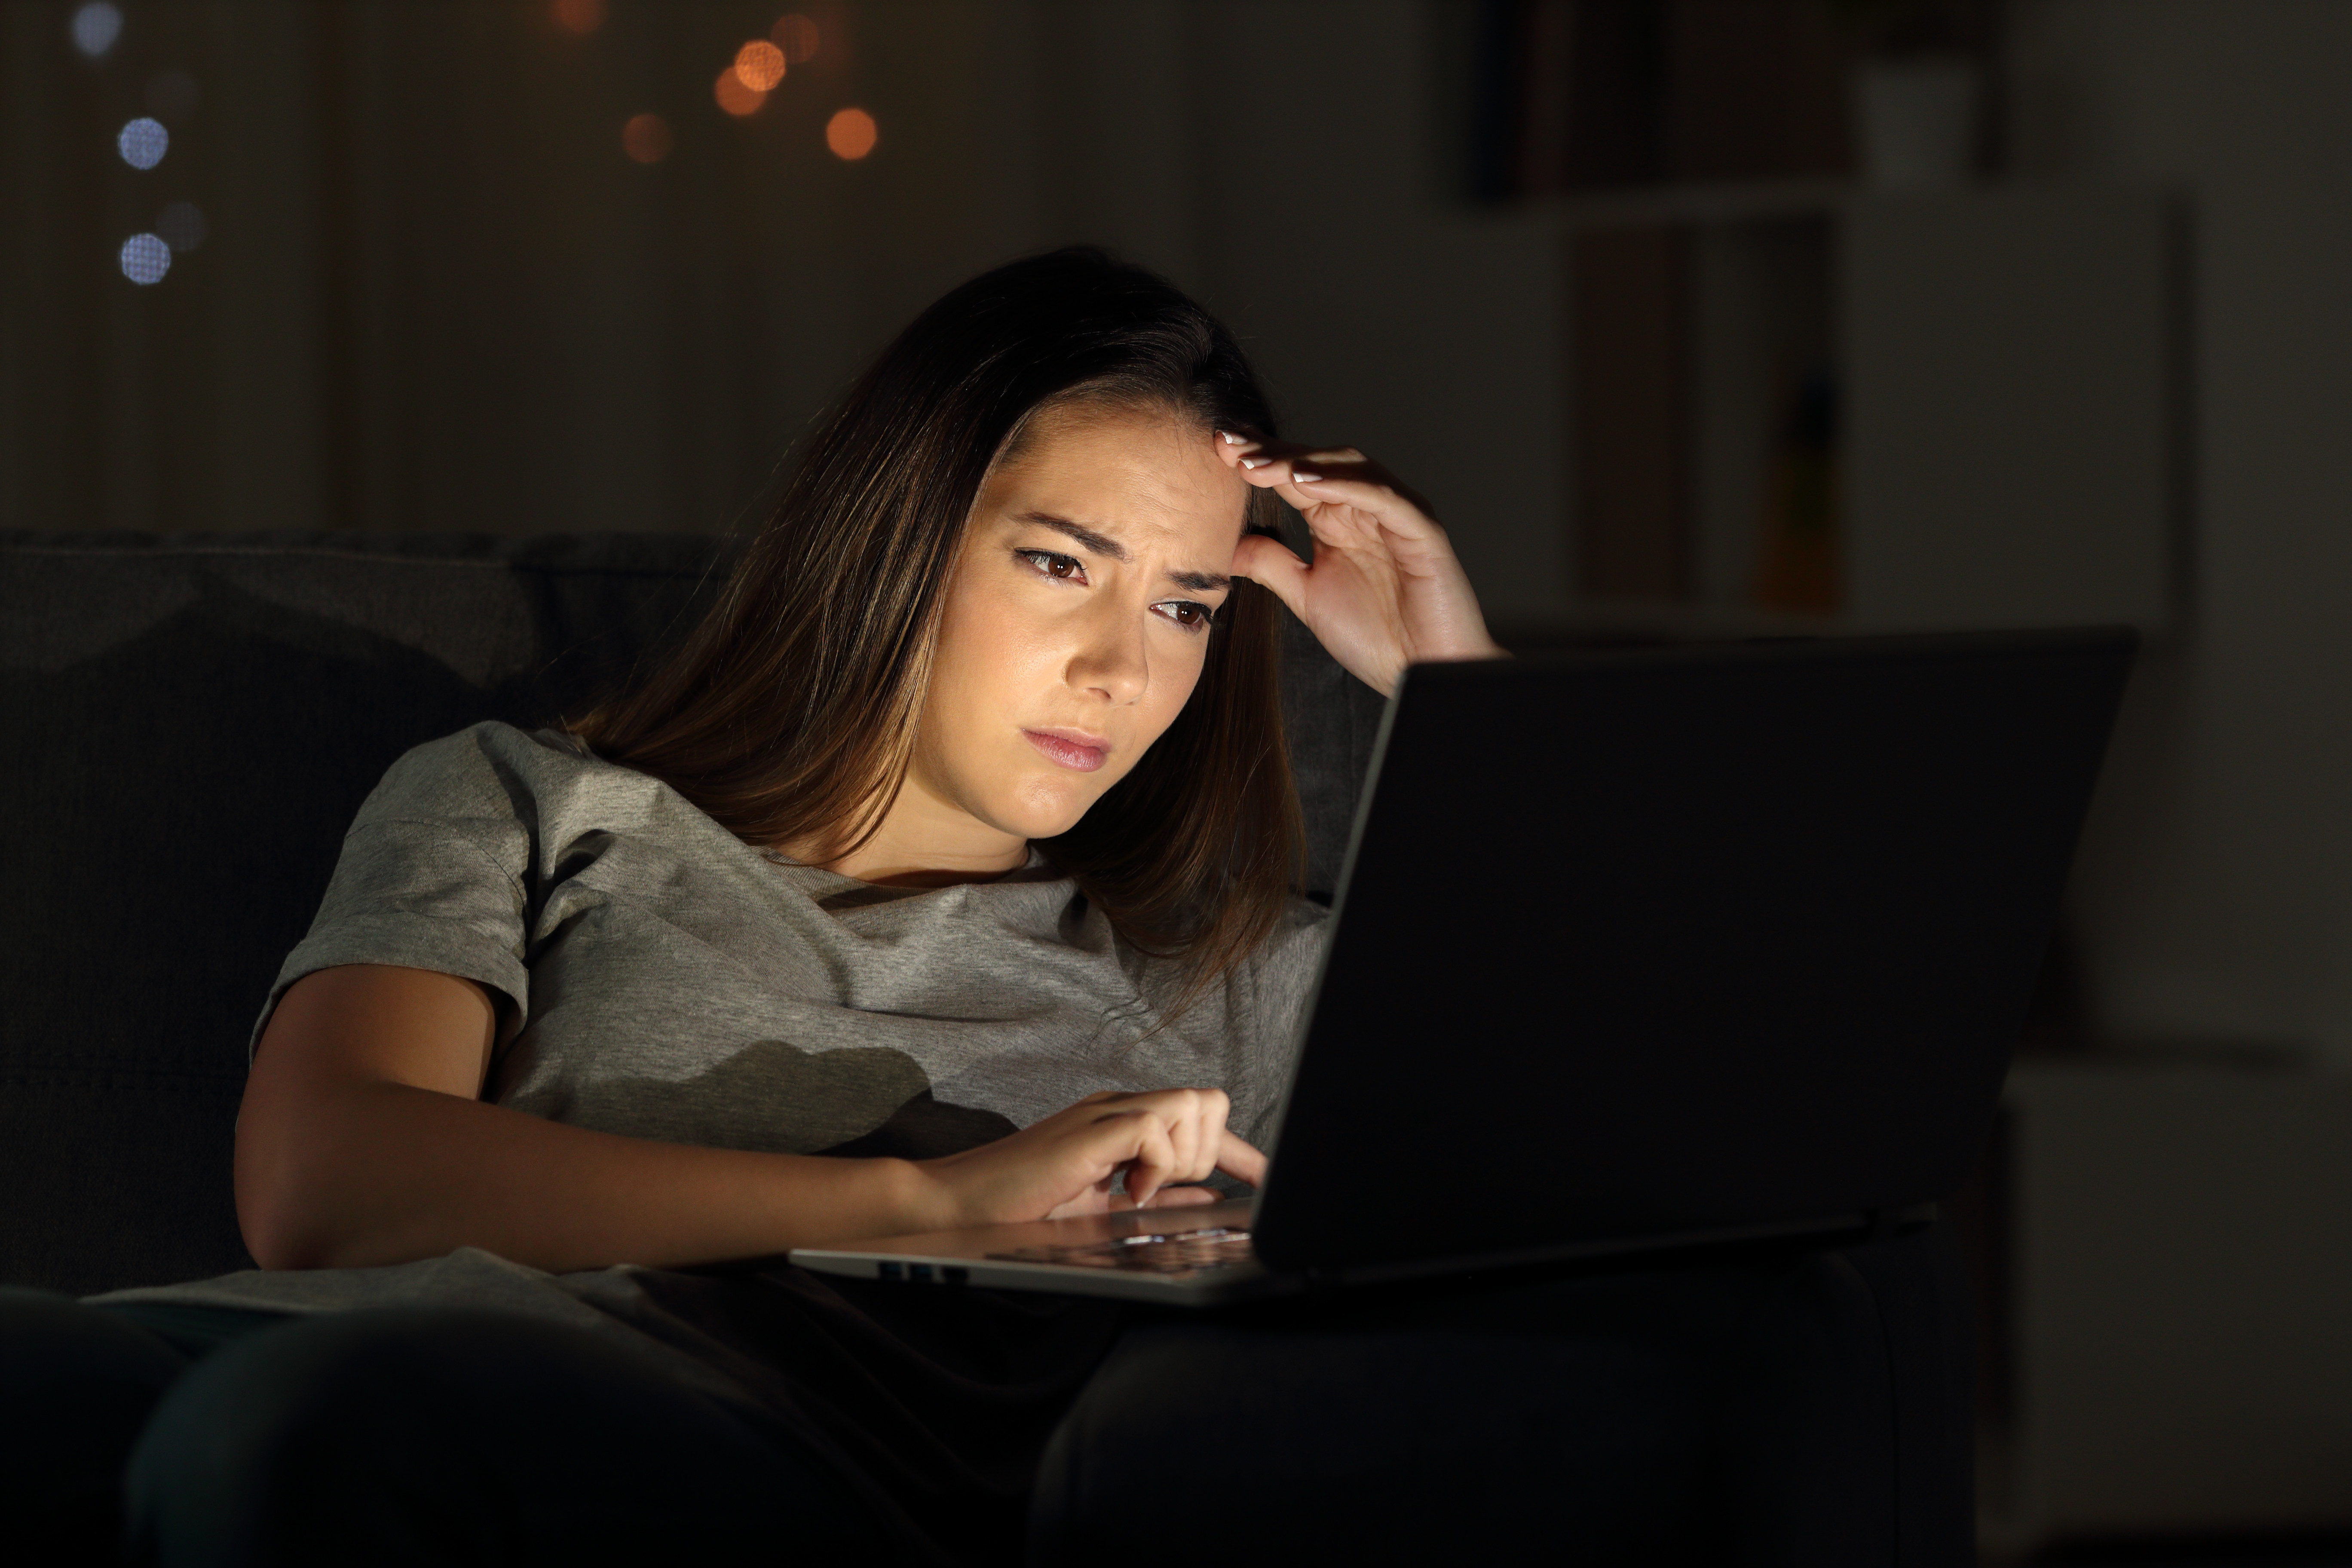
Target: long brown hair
column 789, row 713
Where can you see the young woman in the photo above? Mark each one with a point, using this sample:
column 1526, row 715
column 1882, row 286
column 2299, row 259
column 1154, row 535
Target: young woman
column 945, row 876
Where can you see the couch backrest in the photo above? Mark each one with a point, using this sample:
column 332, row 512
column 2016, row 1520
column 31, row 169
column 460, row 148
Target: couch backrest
column 192, row 723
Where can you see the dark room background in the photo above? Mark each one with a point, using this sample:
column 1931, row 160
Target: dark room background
column 1693, row 317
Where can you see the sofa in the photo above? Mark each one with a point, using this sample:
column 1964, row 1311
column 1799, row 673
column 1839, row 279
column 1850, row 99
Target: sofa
column 193, row 721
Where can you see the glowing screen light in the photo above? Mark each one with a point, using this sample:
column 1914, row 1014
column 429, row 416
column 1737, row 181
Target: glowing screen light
column 796, row 36
column 144, row 142
column 761, row 65
column 146, row 258
column 646, row 137
column 735, row 95
column 182, row 226
column 850, row 134
column 95, row 26
column 582, row 16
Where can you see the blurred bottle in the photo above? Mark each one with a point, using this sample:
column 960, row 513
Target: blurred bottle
column 1799, row 557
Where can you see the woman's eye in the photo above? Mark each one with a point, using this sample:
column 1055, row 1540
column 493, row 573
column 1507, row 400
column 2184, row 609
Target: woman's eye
column 1064, row 568
column 1186, row 614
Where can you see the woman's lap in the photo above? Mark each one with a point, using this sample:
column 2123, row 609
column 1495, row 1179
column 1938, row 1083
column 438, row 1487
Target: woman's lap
column 1389, row 1430
column 1737, row 1411
column 77, row 1386
column 394, row 1436
column 1638, row 1414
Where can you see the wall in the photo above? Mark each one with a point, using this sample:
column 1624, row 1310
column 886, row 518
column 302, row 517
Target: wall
column 436, row 296
column 2214, row 900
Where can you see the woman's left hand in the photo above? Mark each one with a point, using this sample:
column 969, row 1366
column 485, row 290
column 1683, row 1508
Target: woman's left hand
column 1385, row 590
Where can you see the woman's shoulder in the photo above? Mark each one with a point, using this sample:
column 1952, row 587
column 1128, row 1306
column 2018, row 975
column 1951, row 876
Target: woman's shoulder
column 1280, row 968
column 494, row 770
column 1296, row 940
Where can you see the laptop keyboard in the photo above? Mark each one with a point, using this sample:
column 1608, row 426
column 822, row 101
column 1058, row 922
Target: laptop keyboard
column 1184, row 1252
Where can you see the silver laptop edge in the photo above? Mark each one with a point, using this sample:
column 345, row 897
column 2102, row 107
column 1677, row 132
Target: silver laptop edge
column 970, row 1257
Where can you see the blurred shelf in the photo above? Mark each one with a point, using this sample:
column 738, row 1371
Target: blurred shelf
column 1728, row 202
column 1620, row 622
column 1637, row 623
column 1946, row 410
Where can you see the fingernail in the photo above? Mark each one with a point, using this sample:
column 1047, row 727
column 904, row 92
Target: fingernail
column 1255, row 462
column 1229, row 439
column 1296, row 478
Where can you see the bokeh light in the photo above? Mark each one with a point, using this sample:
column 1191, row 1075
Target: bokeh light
column 582, row 16
column 144, row 142
column 646, row 137
column 182, row 225
column 735, row 95
column 95, row 26
column 796, row 36
column 146, row 258
column 761, row 65
column 850, row 133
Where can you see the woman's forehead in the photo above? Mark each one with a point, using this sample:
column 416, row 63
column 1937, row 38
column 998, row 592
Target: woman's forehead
column 1126, row 472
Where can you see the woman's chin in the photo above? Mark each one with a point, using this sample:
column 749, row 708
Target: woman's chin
column 1046, row 810
column 1041, row 826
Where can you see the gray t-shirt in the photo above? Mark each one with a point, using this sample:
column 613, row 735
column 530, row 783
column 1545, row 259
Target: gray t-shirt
column 662, row 979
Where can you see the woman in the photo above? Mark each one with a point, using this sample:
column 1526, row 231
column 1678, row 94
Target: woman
column 944, row 876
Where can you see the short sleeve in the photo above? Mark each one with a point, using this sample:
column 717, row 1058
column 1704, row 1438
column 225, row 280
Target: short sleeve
column 431, row 875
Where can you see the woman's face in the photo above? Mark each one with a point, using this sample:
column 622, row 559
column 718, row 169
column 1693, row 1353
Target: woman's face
column 1078, row 619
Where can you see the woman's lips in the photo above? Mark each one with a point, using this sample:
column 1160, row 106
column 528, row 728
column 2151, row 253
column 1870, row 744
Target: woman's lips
column 1071, row 748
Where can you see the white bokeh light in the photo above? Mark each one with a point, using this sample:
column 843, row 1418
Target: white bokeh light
column 144, row 142
column 94, row 28
column 146, row 258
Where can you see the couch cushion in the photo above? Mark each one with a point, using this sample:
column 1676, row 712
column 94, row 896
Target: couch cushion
column 195, row 723
column 195, row 719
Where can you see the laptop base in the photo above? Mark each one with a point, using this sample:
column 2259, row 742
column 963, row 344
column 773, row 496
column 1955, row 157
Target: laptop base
column 1035, row 1255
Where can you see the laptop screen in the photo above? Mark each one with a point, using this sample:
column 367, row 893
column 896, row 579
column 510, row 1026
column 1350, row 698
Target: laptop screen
column 1685, row 939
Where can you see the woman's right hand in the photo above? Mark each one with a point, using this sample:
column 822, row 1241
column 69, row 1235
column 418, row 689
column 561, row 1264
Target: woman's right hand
column 1065, row 1164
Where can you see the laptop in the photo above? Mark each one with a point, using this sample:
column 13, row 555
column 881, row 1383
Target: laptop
column 1635, row 950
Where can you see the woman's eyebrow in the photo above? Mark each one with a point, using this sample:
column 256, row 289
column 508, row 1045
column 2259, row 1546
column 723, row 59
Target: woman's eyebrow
column 1104, row 545
column 1100, row 543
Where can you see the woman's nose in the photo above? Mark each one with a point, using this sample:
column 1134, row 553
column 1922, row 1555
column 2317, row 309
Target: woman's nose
column 1110, row 661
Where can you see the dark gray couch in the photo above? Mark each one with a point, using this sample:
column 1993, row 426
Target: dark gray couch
column 190, row 723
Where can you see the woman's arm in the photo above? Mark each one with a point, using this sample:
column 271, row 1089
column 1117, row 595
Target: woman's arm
column 362, row 1141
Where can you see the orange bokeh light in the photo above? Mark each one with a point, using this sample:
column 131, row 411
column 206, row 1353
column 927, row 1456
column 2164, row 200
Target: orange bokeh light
column 796, row 36
column 578, row 16
column 735, row 95
column 850, row 133
column 761, row 65
column 646, row 137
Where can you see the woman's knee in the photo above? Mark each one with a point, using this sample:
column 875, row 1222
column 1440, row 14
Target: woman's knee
column 427, row 1435
column 77, row 1386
